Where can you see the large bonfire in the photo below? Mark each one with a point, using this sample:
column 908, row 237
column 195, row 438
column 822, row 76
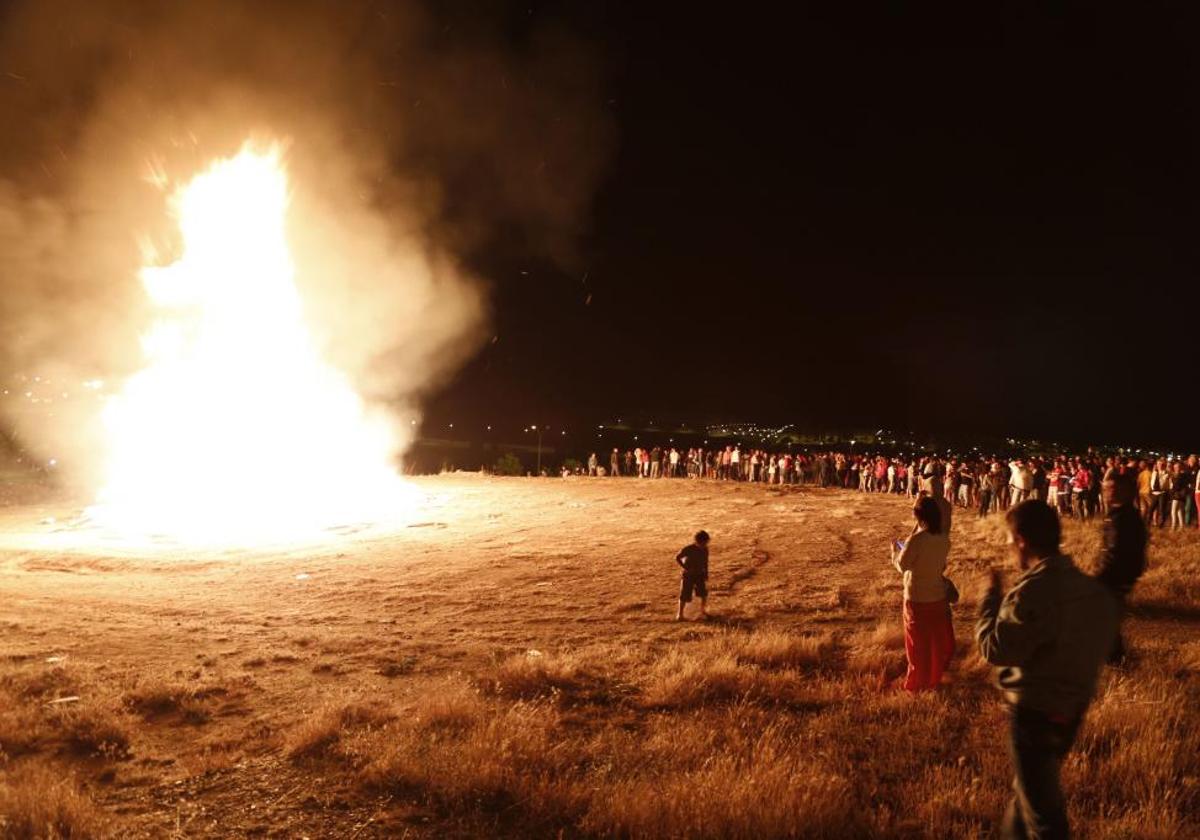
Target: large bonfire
column 236, row 430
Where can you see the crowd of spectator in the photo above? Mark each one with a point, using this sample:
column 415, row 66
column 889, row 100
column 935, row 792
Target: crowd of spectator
column 1168, row 489
column 1047, row 670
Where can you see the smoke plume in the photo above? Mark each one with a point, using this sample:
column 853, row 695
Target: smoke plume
column 411, row 136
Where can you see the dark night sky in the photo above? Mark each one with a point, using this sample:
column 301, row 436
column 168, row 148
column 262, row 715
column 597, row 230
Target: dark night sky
column 979, row 223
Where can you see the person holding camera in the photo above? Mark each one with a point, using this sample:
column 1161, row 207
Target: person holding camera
column 928, row 633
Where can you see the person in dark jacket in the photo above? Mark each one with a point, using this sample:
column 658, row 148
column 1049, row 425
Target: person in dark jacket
column 693, row 577
column 1123, row 555
column 1049, row 637
column 1041, row 484
column 1183, row 484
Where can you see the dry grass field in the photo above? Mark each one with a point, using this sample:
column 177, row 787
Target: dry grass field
column 507, row 666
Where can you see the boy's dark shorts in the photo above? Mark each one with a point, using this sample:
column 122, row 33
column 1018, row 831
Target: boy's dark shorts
column 689, row 584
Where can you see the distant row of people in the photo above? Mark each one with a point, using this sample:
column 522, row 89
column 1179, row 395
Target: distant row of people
column 728, row 464
column 1168, row 491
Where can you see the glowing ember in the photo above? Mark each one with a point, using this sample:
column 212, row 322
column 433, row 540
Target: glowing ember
column 236, row 430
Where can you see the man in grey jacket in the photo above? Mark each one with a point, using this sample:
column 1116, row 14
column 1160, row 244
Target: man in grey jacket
column 1049, row 637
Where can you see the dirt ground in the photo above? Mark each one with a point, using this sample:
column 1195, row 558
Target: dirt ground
column 274, row 692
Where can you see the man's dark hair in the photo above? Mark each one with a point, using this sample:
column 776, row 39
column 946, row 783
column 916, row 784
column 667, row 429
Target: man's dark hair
column 702, row 536
column 928, row 513
column 1037, row 523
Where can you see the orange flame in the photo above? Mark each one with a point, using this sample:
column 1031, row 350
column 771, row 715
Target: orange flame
column 236, row 430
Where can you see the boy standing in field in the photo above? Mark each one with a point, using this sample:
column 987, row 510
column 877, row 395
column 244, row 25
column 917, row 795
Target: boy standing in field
column 693, row 562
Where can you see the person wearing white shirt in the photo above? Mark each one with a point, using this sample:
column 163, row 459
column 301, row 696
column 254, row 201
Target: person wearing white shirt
column 1020, row 481
column 928, row 632
column 1196, row 506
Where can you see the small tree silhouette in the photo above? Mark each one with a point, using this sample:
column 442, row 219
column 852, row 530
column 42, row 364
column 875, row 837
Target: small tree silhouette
column 509, row 464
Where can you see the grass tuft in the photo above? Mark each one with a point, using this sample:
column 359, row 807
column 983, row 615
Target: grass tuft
column 780, row 649
column 39, row 802
column 321, row 732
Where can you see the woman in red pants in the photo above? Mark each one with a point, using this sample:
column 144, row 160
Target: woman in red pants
column 928, row 634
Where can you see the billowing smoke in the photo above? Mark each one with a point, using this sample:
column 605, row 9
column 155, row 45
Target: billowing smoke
column 411, row 137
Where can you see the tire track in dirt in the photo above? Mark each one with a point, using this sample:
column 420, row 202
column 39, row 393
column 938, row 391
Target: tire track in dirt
column 759, row 557
column 816, row 573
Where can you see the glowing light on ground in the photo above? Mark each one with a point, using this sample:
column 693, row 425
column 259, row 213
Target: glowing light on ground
column 236, row 431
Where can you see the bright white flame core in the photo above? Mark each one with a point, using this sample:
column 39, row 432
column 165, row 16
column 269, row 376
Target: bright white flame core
column 236, row 430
